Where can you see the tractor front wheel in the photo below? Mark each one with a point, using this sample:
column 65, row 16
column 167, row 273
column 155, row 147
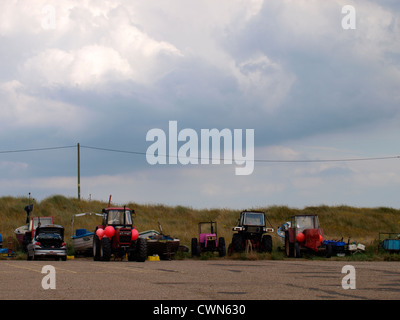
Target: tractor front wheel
column 195, row 248
column 96, row 248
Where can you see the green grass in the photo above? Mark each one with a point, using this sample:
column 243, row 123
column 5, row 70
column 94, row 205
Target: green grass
column 359, row 224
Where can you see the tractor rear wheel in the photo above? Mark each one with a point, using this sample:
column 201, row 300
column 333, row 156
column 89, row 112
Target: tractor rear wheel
column 267, row 243
column 221, row 247
column 195, row 247
column 288, row 247
column 105, row 250
column 297, row 252
column 237, row 242
column 329, row 250
column 141, row 248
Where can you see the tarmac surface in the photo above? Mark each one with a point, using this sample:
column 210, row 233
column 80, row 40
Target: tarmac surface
column 219, row 279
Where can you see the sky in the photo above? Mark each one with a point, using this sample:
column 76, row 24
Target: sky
column 313, row 80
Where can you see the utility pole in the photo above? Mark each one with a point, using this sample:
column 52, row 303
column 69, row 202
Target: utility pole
column 79, row 172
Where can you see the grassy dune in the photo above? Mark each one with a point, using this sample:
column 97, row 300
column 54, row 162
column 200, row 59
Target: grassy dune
column 358, row 224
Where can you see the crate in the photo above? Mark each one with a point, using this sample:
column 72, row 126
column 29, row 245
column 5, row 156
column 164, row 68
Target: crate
column 337, row 246
column 352, row 247
column 153, row 258
column 391, row 244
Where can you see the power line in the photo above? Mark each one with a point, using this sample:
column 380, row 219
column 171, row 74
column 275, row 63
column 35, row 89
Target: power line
column 329, row 160
column 210, row 159
column 114, row 150
column 255, row 160
column 37, row 149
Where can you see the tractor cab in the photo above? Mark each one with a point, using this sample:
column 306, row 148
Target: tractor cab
column 252, row 219
column 117, row 217
column 305, row 222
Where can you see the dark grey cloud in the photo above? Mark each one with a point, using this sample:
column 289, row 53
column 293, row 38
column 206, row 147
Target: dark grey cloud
column 109, row 72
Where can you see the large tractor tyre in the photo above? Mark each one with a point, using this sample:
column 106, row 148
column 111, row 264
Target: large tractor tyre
column 267, row 243
column 195, row 248
column 132, row 252
column 297, row 251
column 289, row 248
column 141, row 250
column 105, row 250
column 329, row 250
column 221, row 247
column 230, row 250
column 96, row 248
column 237, row 242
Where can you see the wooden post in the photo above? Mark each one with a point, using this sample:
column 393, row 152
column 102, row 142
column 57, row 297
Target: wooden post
column 79, row 172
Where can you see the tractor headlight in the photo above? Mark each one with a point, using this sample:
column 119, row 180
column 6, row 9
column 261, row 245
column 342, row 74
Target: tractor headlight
column 238, row 229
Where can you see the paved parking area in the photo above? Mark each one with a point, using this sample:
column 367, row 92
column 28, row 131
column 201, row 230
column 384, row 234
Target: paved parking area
column 219, row 279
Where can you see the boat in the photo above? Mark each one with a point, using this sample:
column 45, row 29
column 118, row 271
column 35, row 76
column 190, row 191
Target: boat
column 281, row 231
column 20, row 233
column 160, row 244
column 27, row 232
column 148, row 233
column 82, row 240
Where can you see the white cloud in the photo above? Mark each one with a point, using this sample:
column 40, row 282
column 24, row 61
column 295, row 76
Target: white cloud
column 91, row 44
column 264, row 80
column 13, row 167
column 21, row 110
column 84, row 68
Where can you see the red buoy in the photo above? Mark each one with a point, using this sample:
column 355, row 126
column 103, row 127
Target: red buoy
column 300, row 237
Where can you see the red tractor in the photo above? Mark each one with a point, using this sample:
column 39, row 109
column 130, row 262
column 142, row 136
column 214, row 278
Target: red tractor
column 305, row 235
column 117, row 236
